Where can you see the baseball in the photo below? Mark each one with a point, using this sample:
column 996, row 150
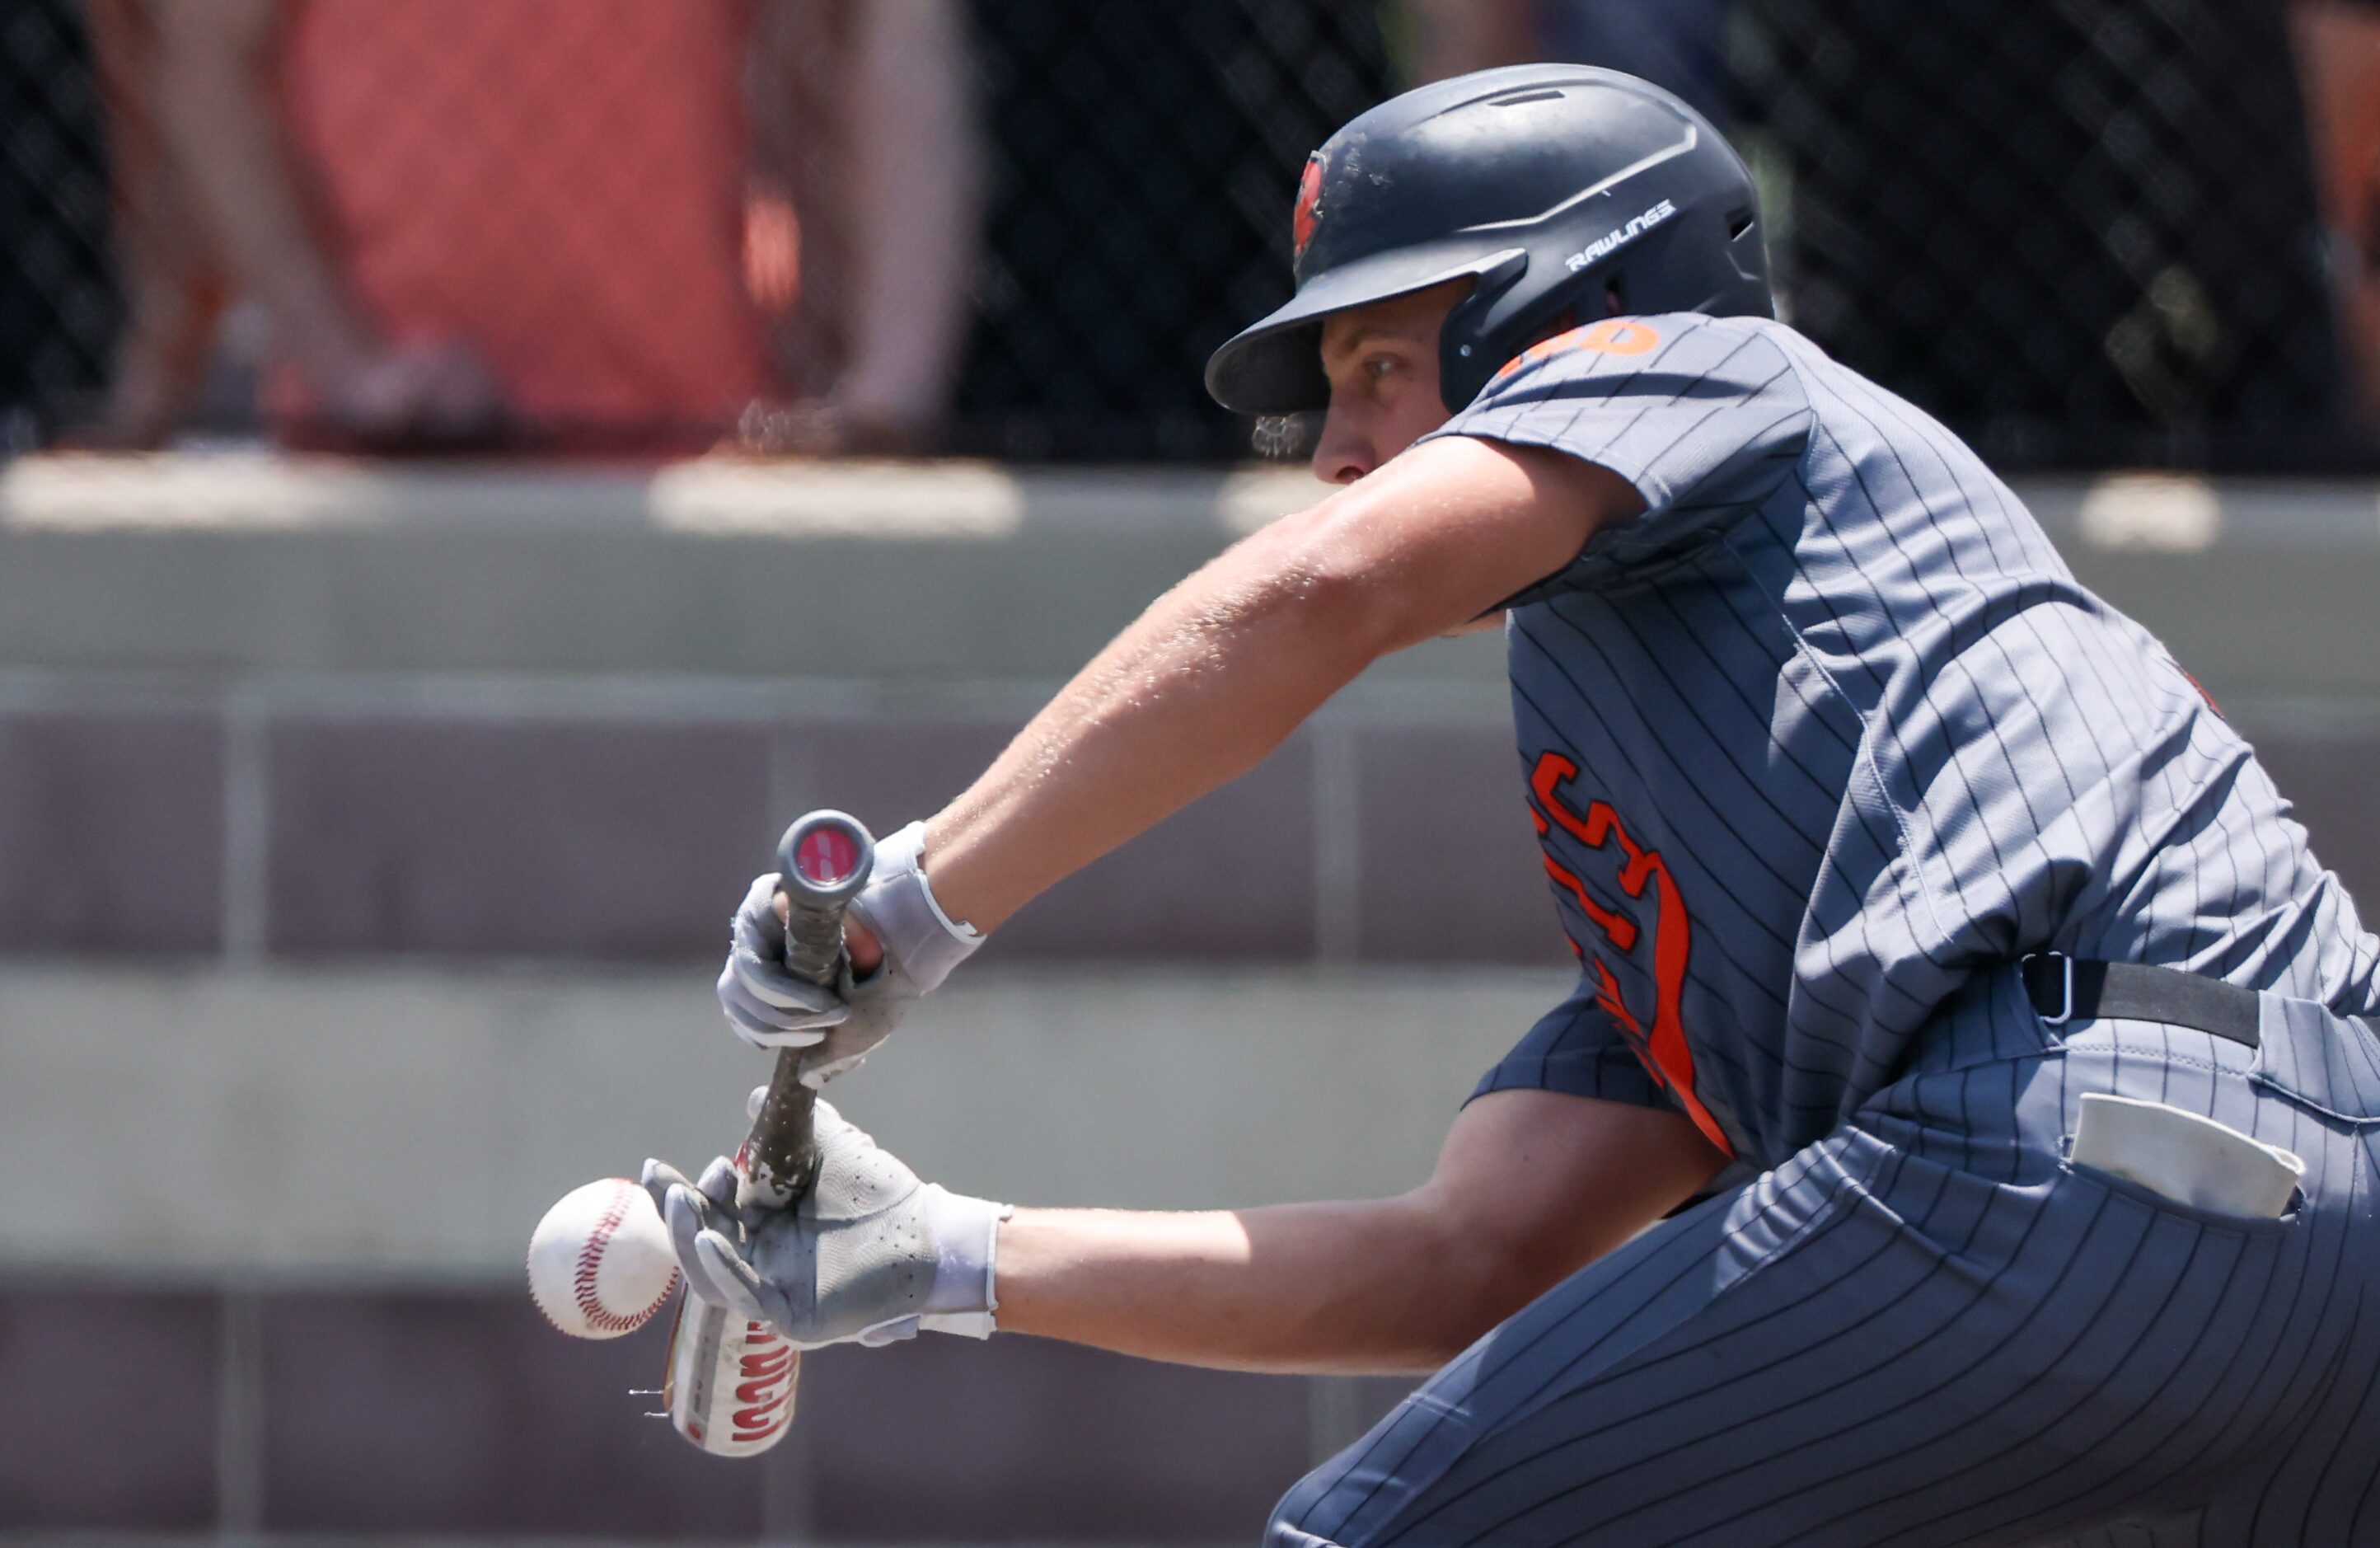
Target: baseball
column 599, row 1262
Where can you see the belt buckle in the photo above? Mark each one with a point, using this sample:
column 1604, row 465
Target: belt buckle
column 2066, row 1006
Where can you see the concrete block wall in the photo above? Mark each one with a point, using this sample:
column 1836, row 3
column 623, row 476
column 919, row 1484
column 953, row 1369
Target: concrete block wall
column 188, row 828
column 385, row 819
column 270, row 1279
column 424, row 1414
column 441, row 823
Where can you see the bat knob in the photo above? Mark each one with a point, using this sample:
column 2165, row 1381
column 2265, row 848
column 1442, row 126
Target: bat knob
column 822, row 862
column 824, row 858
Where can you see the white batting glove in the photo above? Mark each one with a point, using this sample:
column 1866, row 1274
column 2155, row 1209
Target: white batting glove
column 770, row 1008
column 871, row 1255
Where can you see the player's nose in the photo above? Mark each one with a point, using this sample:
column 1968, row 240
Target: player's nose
column 1343, row 453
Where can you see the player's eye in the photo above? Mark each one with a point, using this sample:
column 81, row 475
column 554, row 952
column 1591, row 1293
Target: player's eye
column 1378, row 368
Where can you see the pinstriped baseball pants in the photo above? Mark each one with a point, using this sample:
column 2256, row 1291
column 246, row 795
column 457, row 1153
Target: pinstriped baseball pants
column 1927, row 1329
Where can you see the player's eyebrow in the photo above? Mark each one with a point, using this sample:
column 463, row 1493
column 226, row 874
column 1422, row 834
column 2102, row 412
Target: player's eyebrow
column 1351, row 343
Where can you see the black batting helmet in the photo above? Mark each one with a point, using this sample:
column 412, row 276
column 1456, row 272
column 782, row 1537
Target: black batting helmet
column 1564, row 189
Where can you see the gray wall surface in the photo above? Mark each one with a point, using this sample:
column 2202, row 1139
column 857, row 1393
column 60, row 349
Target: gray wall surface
column 375, row 1122
column 366, row 839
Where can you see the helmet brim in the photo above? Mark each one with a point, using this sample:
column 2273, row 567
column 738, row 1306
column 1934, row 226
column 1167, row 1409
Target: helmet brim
column 1274, row 365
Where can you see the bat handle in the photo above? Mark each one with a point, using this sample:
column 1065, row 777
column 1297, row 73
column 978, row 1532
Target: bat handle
column 822, row 862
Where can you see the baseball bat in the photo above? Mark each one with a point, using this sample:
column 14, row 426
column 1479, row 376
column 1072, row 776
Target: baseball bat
column 822, row 861
column 730, row 1387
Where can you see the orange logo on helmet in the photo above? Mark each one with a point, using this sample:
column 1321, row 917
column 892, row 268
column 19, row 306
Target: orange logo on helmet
column 1309, row 205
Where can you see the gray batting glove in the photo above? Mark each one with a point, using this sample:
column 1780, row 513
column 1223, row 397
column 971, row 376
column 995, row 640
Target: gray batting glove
column 871, row 1255
column 706, row 1205
column 770, row 1008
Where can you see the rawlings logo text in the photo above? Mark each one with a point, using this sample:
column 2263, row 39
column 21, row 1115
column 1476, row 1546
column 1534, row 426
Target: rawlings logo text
column 1613, row 241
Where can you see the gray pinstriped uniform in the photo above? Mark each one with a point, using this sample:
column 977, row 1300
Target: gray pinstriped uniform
column 1817, row 748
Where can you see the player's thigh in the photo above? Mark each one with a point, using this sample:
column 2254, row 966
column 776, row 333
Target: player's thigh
column 1510, row 1381
column 1865, row 1347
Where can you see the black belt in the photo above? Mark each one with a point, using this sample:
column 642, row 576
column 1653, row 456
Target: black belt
column 2068, row 989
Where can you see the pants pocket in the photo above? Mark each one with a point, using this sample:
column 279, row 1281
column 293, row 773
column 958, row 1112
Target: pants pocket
column 2183, row 1158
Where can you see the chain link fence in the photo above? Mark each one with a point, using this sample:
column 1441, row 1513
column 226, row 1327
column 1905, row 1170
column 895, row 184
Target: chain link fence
column 2084, row 232
column 1145, row 160
column 60, row 306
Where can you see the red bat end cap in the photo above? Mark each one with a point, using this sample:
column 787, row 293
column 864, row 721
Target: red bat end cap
column 827, row 856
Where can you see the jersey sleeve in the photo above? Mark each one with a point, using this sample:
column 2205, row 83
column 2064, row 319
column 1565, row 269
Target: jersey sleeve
column 1706, row 417
column 1576, row 1049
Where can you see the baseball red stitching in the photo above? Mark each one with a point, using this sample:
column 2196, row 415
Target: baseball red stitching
column 590, row 1258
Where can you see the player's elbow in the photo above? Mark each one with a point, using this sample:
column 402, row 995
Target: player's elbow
column 1506, row 1281
column 1480, row 1274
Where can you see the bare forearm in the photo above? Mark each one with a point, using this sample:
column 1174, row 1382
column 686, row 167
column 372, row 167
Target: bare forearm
column 1224, row 666
column 1214, row 677
column 1530, row 1186
column 1351, row 1287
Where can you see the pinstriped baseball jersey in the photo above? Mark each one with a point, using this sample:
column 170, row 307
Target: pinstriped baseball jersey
column 1831, row 728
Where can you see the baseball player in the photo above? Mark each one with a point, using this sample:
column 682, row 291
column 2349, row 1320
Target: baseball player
column 1965, row 1127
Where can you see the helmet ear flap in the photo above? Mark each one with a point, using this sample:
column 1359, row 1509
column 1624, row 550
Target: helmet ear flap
column 1463, row 343
column 1746, row 252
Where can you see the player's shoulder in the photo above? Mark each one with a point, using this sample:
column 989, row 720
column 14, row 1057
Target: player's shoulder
column 1667, row 352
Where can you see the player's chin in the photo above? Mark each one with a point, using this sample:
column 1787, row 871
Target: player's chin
column 1480, row 625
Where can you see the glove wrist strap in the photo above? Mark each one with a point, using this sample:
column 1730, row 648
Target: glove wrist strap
column 966, row 1241
column 900, row 906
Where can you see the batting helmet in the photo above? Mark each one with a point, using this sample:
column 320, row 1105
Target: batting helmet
column 1563, row 189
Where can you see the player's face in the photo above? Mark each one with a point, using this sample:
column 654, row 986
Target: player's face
column 1382, row 362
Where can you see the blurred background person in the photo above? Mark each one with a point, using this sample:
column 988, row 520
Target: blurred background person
column 457, row 214
column 863, row 234
column 1009, row 228
column 539, row 222
column 2339, row 57
column 174, row 287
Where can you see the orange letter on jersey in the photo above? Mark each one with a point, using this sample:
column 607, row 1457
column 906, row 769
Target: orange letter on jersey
column 1665, row 1050
column 1613, row 336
